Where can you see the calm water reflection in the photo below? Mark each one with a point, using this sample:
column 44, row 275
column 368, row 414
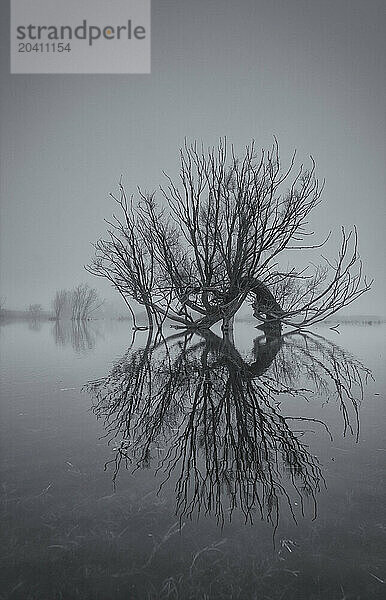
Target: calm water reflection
column 191, row 404
column 81, row 335
column 253, row 471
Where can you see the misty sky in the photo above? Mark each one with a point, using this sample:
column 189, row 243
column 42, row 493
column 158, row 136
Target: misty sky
column 312, row 72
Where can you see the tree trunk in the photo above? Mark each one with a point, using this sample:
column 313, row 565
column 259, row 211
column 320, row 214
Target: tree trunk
column 266, row 304
column 149, row 316
column 227, row 328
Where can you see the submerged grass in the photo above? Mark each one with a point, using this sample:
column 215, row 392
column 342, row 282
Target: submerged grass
column 128, row 546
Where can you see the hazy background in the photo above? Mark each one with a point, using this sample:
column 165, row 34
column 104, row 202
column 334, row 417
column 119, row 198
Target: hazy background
column 311, row 72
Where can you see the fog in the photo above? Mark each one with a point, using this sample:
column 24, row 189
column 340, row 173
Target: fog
column 312, row 73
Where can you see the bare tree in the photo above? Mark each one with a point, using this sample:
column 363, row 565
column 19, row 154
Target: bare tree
column 35, row 311
column 76, row 304
column 60, row 303
column 217, row 240
column 84, row 301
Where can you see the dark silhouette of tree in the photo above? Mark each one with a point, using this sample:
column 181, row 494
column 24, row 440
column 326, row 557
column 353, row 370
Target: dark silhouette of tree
column 217, row 239
column 193, row 406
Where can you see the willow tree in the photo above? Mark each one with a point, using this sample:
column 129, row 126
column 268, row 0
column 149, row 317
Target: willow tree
column 215, row 239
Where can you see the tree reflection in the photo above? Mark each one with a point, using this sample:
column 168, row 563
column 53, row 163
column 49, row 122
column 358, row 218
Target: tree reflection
column 78, row 334
column 191, row 405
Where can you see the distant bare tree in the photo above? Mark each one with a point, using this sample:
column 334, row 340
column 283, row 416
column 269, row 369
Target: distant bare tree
column 84, row 301
column 218, row 242
column 76, row 304
column 60, row 303
column 35, row 311
column 2, row 302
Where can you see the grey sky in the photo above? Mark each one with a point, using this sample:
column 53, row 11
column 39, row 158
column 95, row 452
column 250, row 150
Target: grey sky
column 311, row 72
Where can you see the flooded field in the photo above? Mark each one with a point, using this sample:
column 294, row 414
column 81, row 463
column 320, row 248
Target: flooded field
column 187, row 467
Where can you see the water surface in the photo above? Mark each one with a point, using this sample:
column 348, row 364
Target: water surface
column 69, row 532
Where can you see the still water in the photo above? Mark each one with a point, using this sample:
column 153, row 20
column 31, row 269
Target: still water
column 189, row 469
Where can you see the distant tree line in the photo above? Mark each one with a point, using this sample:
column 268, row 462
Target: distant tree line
column 77, row 304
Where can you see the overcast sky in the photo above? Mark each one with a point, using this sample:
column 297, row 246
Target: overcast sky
column 312, row 72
